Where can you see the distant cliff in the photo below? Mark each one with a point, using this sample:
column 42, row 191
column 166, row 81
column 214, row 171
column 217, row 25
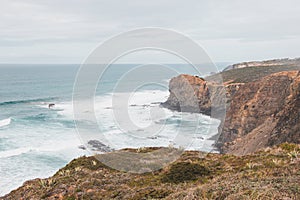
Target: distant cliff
column 262, row 105
column 253, row 73
column 267, row 63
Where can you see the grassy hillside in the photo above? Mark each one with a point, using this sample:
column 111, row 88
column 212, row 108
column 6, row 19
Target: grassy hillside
column 269, row 174
column 248, row 74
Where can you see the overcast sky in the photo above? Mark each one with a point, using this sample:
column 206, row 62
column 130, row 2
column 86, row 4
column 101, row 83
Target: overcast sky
column 66, row 31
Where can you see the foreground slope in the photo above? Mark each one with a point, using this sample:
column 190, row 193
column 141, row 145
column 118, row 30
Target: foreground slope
column 268, row 174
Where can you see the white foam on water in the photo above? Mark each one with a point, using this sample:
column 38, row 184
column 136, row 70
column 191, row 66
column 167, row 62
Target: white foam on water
column 36, row 147
column 24, row 150
column 14, row 152
column 143, row 109
column 5, row 122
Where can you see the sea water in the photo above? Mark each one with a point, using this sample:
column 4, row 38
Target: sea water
column 36, row 141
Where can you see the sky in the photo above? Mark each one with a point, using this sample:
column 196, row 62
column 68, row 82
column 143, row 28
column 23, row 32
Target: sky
column 67, row 31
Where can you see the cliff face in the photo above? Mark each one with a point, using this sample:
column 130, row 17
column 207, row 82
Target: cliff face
column 259, row 114
column 194, row 94
column 262, row 114
column 189, row 94
column 288, row 125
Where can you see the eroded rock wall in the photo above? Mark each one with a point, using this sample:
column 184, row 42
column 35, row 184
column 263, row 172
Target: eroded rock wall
column 259, row 114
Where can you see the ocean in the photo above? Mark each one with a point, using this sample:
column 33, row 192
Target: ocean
column 36, row 141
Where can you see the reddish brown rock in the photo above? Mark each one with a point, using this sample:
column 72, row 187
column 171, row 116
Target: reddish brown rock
column 188, row 93
column 194, row 94
column 259, row 114
column 263, row 113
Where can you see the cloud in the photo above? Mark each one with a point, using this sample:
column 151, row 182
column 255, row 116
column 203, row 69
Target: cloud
column 69, row 29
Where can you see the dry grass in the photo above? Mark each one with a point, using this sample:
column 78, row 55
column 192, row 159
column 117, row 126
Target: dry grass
column 243, row 75
column 268, row 174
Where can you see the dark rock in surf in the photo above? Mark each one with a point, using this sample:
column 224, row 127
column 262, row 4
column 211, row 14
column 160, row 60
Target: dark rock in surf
column 99, row 146
column 51, row 105
column 82, row 147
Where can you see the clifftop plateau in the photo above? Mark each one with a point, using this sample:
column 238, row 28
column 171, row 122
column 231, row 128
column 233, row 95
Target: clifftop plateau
column 268, row 63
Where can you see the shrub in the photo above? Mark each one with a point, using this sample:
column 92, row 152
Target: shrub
column 184, row 171
column 289, row 146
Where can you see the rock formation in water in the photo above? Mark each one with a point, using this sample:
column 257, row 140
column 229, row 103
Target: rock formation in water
column 188, row 93
column 194, row 94
column 98, row 146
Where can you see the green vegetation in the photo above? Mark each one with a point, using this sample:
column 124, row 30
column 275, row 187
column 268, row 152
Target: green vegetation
column 184, row 171
column 289, row 147
column 242, row 75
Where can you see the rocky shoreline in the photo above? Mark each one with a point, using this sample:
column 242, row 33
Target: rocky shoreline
column 256, row 114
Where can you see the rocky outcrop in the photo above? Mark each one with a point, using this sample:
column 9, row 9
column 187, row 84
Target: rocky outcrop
column 259, row 114
column 194, row 94
column 98, row 146
column 189, row 93
column 262, row 114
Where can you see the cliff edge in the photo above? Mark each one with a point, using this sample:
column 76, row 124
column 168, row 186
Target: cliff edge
column 259, row 113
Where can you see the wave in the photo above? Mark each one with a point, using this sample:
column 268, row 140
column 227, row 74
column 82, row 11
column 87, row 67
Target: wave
column 15, row 152
column 42, row 150
column 38, row 117
column 5, row 122
column 26, row 101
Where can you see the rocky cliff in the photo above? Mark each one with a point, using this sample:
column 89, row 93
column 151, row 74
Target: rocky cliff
column 189, row 94
column 263, row 113
column 194, row 94
column 259, row 113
